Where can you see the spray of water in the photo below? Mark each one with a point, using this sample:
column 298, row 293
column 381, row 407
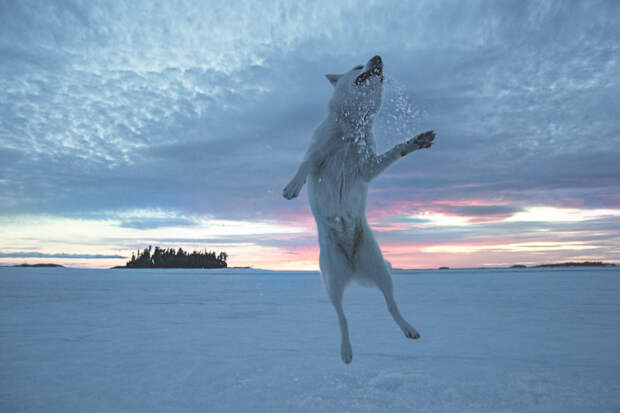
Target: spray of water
column 398, row 119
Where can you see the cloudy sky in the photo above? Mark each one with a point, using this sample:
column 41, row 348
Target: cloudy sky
column 178, row 123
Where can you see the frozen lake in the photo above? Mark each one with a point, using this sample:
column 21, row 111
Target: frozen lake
column 527, row 340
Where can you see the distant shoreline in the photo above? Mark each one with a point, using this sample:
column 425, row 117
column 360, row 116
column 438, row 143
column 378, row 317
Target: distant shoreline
column 38, row 265
column 124, row 267
column 517, row 266
column 572, row 264
column 442, row 268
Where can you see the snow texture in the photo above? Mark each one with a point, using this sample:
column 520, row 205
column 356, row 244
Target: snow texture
column 527, row 340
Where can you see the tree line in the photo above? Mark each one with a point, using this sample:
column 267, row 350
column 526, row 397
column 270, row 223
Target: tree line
column 171, row 258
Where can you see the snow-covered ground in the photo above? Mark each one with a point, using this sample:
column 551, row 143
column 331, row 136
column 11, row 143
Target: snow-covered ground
column 74, row 340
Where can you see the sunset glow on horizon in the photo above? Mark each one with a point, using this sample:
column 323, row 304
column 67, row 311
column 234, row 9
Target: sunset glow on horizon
column 548, row 235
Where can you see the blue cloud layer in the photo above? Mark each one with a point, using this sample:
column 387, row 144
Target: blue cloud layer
column 206, row 108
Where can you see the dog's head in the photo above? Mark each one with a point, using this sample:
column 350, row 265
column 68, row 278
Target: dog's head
column 357, row 93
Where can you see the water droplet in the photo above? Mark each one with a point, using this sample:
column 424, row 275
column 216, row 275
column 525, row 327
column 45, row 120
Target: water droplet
column 399, row 119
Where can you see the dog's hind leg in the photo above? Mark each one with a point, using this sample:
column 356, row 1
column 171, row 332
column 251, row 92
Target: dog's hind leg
column 376, row 270
column 346, row 352
column 335, row 290
column 384, row 282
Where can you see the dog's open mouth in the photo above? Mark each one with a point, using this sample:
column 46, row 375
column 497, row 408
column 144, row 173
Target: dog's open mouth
column 375, row 68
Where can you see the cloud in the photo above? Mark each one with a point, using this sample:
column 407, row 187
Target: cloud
column 157, row 223
column 206, row 109
column 482, row 210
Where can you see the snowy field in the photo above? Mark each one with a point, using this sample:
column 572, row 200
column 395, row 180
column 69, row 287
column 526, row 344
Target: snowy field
column 527, row 340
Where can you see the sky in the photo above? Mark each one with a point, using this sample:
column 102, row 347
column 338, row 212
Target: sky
column 178, row 123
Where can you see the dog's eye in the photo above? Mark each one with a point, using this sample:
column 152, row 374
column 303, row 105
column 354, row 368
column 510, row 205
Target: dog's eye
column 360, row 67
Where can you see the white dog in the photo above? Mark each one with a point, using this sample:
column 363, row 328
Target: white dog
column 339, row 164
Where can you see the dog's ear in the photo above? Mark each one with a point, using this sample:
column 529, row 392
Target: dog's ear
column 333, row 79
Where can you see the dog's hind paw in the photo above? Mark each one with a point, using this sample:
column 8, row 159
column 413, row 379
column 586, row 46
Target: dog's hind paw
column 346, row 353
column 411, row 332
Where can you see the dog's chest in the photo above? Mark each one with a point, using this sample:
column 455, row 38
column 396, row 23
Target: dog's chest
column 336, row 187
column 339, row 172
column 341, row 163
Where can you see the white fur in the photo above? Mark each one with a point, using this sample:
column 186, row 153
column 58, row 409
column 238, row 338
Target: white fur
column 338, row 166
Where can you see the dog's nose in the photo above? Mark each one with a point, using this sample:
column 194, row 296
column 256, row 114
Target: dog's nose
column 376, row 66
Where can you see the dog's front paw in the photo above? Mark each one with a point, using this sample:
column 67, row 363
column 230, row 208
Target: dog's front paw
column 421, row 141
column 292, row 190
column 424, row 140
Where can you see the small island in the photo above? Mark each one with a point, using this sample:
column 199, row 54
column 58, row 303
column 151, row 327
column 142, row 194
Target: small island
column 568, row 264
column 577, row 264
column 39, row 265
column 171, row 258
